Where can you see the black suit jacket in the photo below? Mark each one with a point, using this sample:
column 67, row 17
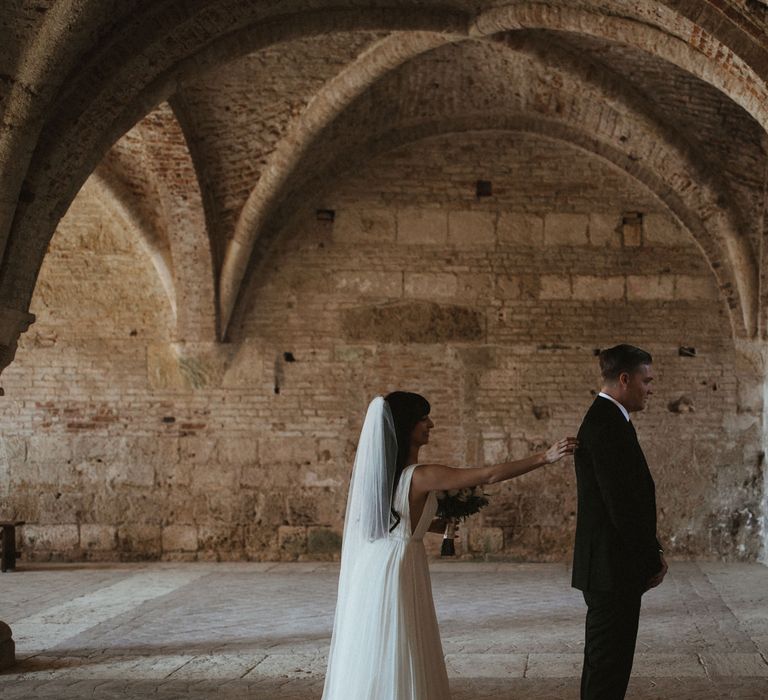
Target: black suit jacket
column 616, row 546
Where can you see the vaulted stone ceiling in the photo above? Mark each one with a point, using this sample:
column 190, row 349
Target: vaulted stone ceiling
column 212, row 124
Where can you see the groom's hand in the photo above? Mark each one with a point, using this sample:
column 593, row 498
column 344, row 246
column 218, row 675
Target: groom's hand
column 658, row 578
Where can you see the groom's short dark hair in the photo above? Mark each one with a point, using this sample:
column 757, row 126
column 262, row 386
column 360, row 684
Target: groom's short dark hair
column 622, row 358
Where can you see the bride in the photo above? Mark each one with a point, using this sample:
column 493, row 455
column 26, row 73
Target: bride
column 386, row 644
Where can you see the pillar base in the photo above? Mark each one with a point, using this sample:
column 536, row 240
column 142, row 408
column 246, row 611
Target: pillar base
column 7, row 647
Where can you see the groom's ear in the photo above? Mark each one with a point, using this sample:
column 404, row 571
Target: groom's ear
column 624, row 379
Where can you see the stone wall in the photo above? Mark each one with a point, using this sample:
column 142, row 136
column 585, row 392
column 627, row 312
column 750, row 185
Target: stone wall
column 121, row 444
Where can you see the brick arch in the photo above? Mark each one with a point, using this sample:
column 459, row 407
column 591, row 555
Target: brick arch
column 151, row 172
column 580, row 137
column 661, row 31
column 562, row 101
column 47, row 51
column 62, row 160
column 331, row 101
column 90, row 119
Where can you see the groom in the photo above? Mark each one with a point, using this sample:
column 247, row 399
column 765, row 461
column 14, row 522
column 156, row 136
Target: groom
column 616, row 556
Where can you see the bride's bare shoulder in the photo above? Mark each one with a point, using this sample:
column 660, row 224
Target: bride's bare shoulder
column 424, row 475
column 427, row 466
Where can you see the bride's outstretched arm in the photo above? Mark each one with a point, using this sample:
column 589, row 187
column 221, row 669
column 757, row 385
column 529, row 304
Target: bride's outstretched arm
column 437, row 477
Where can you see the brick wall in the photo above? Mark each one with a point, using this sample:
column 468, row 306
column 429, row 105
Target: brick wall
column 120, row 444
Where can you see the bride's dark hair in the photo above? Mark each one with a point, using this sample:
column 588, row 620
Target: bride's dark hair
column 407, row 410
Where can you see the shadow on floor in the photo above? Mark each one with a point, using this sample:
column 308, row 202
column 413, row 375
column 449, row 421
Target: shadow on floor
column 311, row 689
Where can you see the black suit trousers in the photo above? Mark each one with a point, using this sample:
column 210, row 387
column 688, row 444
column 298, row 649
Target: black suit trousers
column 609, row 648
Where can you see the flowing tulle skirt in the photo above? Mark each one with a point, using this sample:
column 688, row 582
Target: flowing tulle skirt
column 386, row 643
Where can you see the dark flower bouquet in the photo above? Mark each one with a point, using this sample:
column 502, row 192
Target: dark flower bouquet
column 454, row 506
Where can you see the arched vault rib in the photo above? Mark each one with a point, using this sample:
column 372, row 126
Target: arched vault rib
column 583, row 139
column 181, row 200
column 149, row 179
column 324, row 107
column 162, row 182
column 655, row 155
column 621, row 91
column 45, row 60
column 665, row 34
column 75, row 145
column 72, row 149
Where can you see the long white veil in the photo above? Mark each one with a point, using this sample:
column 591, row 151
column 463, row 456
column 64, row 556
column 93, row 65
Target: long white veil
column 370, row 488
column 365, row 527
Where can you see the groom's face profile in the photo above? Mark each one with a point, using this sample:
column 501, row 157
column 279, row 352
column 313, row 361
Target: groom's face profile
column 636, row 387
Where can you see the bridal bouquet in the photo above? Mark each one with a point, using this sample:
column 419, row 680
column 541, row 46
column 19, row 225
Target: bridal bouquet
column 454, row 506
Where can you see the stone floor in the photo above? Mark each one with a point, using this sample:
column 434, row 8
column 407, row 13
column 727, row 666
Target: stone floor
column 262, row 631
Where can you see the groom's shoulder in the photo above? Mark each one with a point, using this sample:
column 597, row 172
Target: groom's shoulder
column 600, row 412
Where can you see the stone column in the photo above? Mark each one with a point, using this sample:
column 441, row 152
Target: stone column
column 12, row 324
column 752, row 372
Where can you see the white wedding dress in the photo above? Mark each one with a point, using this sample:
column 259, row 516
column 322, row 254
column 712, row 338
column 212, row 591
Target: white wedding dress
column 386, row 643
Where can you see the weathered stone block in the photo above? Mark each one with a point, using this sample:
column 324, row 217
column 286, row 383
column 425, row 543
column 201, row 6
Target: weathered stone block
column 220, row 541
column 140, row 541
column 370, row 283
column 198, row 449
column 178, row 474
column 136, row 473
column 472, row 229
column 322, row 540
column 474, row 287
column 47, row 449
column 246, row 368
column 238, row 449
column 508, row 287
column 413, row 322
column 292, row 540
column 253, row 475
column 98, row 537
column 520, row 229
column 269, row 508
column 180, row 538
column 663, row 230
column 430, row 285
column 494, row 451
column 321, row 479
column 486, row 540
column 57, row 537
column 565, row 229
column 644, row 287
column 293, row 449
column 422, row 227
column 604, row 230
column 261, row 542
column 364, row 225
column 690, row 288
column 353, row 353
column 589, row 288
column 749, row 393
column 555, row 287
column 215, row 476
column 57, row 507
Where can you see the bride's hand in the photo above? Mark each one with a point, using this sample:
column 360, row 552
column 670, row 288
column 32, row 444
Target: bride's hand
column 560, row 449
